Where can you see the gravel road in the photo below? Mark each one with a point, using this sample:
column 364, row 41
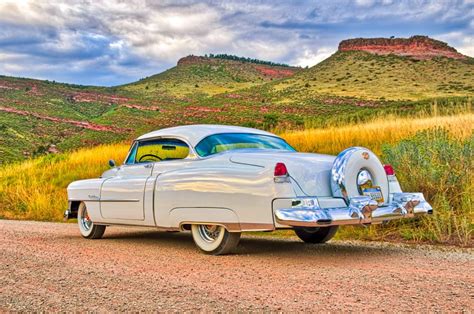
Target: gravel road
column 49, row 267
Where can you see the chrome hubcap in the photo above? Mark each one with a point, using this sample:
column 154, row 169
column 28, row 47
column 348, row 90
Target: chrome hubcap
column 85, row 220
column 209, row 233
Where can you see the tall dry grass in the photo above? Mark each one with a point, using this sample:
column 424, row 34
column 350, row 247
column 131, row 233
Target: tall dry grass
column 36, row 189
column 374, row 134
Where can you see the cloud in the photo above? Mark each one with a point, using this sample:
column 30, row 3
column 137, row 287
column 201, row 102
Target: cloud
column 463, row 42
column 311, row 57
column 112, row 42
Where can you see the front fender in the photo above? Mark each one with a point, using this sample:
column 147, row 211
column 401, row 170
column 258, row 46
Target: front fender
column 87, row 191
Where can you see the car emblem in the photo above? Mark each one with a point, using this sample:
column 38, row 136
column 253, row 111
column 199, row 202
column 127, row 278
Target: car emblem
column 365, row 155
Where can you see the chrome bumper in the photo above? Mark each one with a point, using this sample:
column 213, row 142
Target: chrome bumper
column 71, row 211
column 306, row 212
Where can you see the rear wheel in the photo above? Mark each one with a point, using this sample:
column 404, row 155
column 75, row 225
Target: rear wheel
column 88, row 229
column 214, row 239
column 316, row 235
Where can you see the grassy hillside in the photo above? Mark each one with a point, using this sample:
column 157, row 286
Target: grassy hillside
column 368, row 76
column 34, row 114
column 353, row 86
column 35, row 189
column 202, row 76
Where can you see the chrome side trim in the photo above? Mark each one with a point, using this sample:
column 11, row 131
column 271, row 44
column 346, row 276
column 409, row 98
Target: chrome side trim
column 124, row 200
column 109, row 200
column 233, row 226
column 306, row 212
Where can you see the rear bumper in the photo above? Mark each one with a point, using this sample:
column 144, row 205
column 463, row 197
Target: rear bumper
column 306, row 212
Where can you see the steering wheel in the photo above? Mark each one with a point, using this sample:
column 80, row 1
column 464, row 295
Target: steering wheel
column 149, row 155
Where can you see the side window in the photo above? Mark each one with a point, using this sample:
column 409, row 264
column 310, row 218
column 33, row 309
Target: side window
column 133, row 153
column 160, row 150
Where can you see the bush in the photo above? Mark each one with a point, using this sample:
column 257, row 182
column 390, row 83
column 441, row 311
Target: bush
column 440, row 166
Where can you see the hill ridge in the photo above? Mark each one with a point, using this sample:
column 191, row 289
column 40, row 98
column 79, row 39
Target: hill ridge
column 418, row 47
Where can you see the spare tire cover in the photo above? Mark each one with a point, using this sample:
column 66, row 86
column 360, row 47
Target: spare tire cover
column 346, row 168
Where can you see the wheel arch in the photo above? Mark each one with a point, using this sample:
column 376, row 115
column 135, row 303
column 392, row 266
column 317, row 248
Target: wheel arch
column 73, row 208
column 184, row 217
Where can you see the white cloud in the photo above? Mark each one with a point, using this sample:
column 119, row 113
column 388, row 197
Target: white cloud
column 312, row 57
column 365, row 3
column 463, row 42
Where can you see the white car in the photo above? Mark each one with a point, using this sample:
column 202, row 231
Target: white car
column 219, row 181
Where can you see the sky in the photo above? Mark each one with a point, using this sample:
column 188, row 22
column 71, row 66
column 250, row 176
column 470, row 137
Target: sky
column 112, row 42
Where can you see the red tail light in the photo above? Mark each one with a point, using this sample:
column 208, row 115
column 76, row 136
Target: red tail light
column 280, row 170
column 389, row 170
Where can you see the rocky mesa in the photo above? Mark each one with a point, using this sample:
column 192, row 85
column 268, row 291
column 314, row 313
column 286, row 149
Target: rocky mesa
column 418, row 47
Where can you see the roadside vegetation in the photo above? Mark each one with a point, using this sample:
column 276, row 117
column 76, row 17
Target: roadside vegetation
column 382, row 129
column 35, row 189
column 432, row 154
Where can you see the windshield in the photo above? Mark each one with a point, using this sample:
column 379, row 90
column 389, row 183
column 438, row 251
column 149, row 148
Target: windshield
column 217, row 143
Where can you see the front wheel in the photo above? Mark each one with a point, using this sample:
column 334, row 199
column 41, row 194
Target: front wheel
column 88, row 229
column 316, row 235
column 214, row 239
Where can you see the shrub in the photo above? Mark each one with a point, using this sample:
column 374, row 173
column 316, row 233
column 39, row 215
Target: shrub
column 439, row 165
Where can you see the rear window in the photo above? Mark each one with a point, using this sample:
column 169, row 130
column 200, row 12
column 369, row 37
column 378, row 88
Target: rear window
column 217, row 143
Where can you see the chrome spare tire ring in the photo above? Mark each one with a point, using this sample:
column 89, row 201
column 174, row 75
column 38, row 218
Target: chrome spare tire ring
column 352, row 168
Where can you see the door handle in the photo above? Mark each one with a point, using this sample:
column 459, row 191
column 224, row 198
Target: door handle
column 148, row 166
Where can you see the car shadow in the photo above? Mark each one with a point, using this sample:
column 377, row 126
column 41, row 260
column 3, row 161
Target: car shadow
column 260, row 245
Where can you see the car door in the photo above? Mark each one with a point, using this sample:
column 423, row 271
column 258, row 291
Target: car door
column 123, row 196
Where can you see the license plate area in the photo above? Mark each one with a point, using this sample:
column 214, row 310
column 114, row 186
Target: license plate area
column 375, row 193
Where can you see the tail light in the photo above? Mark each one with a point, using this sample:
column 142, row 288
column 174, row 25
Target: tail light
column 280, row 170
column 281, row 173
column 389, row 170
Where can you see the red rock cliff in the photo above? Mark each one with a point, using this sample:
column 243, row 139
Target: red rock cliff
column 419, row 47
column 192, row 60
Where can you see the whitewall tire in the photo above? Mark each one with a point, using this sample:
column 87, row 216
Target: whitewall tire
column 88, row 229
column 214, row 239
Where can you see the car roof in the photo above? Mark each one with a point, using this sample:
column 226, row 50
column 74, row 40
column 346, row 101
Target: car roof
column 193, row 134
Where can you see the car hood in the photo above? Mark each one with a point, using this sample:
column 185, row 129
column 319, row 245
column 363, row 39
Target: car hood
column 309, row 172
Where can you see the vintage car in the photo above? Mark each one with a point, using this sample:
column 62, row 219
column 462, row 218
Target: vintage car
column 219, row 181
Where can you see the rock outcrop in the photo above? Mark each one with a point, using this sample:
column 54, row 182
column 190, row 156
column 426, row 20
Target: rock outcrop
column 418, row 47
column 192, row 60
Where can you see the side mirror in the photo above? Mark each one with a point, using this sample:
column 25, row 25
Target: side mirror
column 112, row 163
